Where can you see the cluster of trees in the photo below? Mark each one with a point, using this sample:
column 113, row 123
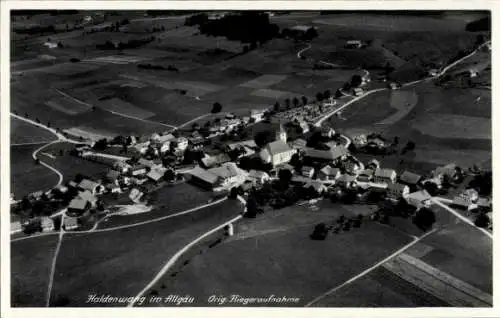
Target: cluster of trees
column 216, row 108
column 158, row 67
column 289, row 103
column 308, row 35
column 132, row 44
column 246, row 27
column 482, row 183
column 483, row 24
column 321, row 230
column 38, row 29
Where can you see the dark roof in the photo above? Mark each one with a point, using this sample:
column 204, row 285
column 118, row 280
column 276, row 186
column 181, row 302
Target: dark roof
column 410, row 177
column 330, row 154
column 397, row 186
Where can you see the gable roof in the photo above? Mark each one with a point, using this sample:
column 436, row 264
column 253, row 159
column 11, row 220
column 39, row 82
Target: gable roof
column 410, row 177
column 227, row 170
column 330, row 154
column 154, row 175
column 258, row 174
column 204, row 175
column 421, row 195
column 397, row 187
column 88, row 184
column 330, row 171
column 277, row 147
column 385, row 173
column 68, row 220
column 113, row 175
column 87, row 196
column 78, row 204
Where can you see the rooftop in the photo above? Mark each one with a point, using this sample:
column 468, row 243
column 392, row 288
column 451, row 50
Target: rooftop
column 410, row 177
column 277, row 147
column 385, row 173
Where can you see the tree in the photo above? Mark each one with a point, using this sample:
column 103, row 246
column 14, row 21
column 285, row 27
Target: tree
column 320, row 232
column 431, row 188
column 264, row 137
column 195, row 126
column 252, row 208
column 319, row 96
column 327, row 94
column 482, row 220
column 216, row 108
column 424, row 219
column 285, row 176
column 410, row 145
column 287, row 103
column 295, row 102
column 304, row 100
column 169, row 175
column 276, row 107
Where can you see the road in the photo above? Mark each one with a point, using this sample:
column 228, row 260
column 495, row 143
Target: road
column 439, row 201
column 54, row 262
column 177, row 255
column 370, row 269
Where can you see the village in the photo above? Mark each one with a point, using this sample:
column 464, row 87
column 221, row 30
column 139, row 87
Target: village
column 272, row 168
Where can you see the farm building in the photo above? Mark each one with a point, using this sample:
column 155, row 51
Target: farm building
column 353, row 44
column 440, row 173
column 410, row 178
column 212, row 161
column 135, row 195
column 155, row 174
column 70, row 223
column 327, row 155
column 203, row 178
column 229, row 174
column 327, row 173
column 78, row 206
column 258, row 177
column 366, row 175
column 121, row 166
column 92, row 186
column 113, row 176
column 346, row 181
column 277, row 152
column 385, row 176
column 88, row 196
column 396, row 191
column 419, row 199
column 298, row 144
column 352, row 165
column 307, row 172
column 47, row 224
column 138, row 170
column 357, row 91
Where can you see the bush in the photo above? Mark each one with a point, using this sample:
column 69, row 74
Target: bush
column 424, row 219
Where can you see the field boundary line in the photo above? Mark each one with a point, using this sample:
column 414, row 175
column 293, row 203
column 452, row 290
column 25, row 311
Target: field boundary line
column 177, row 255
column 370, row 269
column 54, row 262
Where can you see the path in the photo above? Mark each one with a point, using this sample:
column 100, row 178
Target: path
column 193, row 120
column 140, row 119
column 177, row 255
column 59, row 174
column 370, row 269
column 440, row 201
column 54, row 261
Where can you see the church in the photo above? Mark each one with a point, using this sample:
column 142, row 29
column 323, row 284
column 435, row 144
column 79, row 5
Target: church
column 278, row 152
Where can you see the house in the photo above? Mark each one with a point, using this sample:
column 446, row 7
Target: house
column 346, row 181
column 440, row 173
column 304, row 126
column 298, row 144
column 78, row 206
column 258, row 177
column 433, row 72
column 277, row 152
column 366, row 175
column 327, row 132
column 89, row 197
column 135, row 195
column 360, row 140
column 393, row 86
column 484, row 204
column 307, row 172
column 409, row 178
column 357, row 91
column 15, row 227
column 211, row 161
column 419, row 199
column 155, row 175
column 327, row 173
column 337, row 153
column 385, row 176
column 138, row 170
column 396, row 191
column 257, row 114
column 47, row 224
column 147, row 163
column 464, row 203
column 50, row 45
column 203, row 178
column 70, row 223
column 113, row 176
column 473, row 73
column 121, row 166
column 229, row 174
column 197, row 143
column 113, row 188
column 72, row 184
column 139, row 180
column 318, row 187
column 181, row 144
column 36, row 195
column 353, row 44
column 352, row 166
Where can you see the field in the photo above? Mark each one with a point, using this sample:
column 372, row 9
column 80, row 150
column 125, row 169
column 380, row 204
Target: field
column 22, row 132
column 26, row 176
column 167, row 200
column 290, row 264
column 30, row 269
column 93, row 263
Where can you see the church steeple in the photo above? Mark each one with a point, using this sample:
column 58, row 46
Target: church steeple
column 281, row 134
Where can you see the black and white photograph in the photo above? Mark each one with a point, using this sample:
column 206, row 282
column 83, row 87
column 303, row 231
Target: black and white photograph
column 250, row 158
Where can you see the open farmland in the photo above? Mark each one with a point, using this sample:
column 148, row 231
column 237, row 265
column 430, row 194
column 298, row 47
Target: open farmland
column 94, row 261
column 30, row 269
column 26, row 176
column 271, row 243
column 22, row 132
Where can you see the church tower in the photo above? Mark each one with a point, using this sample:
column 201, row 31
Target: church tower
column 281, row 134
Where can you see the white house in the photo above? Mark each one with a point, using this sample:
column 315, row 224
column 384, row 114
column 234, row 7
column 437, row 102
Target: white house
column 70, row 223
column 419, row 199
column 135, row 195
column 307, row 172
column 121, row 166
column 182, row 144
column 47, row 224
column 327, row 173
column 366, row 175
column 50, row 45
column 355, row 44
column 229, row 174
column 397, row 190
column 357, row 91
column 385, row 176
column 258, row 177
column 277, row 152
column 92, row 186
